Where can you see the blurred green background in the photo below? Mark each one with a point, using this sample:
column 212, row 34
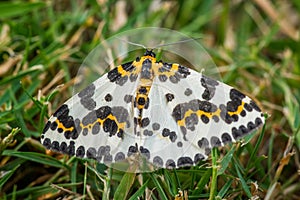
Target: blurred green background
column 255, row 45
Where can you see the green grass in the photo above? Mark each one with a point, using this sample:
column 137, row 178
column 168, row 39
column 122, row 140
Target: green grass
column 43, row 44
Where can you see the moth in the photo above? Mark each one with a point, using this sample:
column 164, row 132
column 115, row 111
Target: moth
column 148, row 114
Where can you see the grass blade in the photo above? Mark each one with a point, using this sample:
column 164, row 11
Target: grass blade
column 35, row 157
column 124, row 186
column 158, row 186
column 12, row 9
column 140, row 191
column 7, row 175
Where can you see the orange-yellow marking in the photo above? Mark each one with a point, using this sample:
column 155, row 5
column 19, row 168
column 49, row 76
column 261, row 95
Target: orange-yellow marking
column 110, row 116
column 139, row 64
column 122, row 71
column 60, row 125
column 209, row 114
column 155, row 67
column 90, row 126
column 169, row 72
column 239, row 110
column 198, row 113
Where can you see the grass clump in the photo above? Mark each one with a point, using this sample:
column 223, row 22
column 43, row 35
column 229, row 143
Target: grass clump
column 255, row 46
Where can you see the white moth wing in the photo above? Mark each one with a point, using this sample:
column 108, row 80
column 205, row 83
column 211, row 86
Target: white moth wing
column 97, row 122
column 194, row 114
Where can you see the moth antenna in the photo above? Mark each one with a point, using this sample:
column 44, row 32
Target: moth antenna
column 132, row 43
column 173, row 43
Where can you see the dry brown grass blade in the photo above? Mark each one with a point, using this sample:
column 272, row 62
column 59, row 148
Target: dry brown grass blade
column 9, row 63
column 285, row 26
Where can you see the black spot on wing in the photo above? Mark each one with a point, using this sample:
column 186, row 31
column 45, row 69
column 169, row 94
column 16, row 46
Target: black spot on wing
column 121, row 114
column 248, row 107
column 204, row 119
column 191, row 121
column 145, row 122
column 103, row 112
column 174, row 79
column 108, row 97
column 158, row 161
column 110, row 126
column 155, row 126
column 63, row 147
column 71, row 148
column 47, row 143
column 170, row 134
column 128, row 98
column 162, row 78
column 46, row 128
column 53, row 125
column 87, row 92
column 258, row 122
column 133, row 77
column 115, row 75
column 254, row 106
column 96, row 128
column 210, row 87
column 62, row 111
column 91, row 153
column 235, row 94
column 198, row 157
column 184, row 161
column 215, row 141
column 90, row 118
column 236, row 133
column 170, row 164
column 132, row 150
column 145, row 152
column 203, row 143
column 226, row 138
column 86, row 95
column 169, row 97
column 88, row 103
column 80, row 152
column 188, row 92
column 184, row 71
column 147, row 132
column 55, row 146
column 120, row 156
column 122, row 80
column 243, row 113
column 104, row 154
